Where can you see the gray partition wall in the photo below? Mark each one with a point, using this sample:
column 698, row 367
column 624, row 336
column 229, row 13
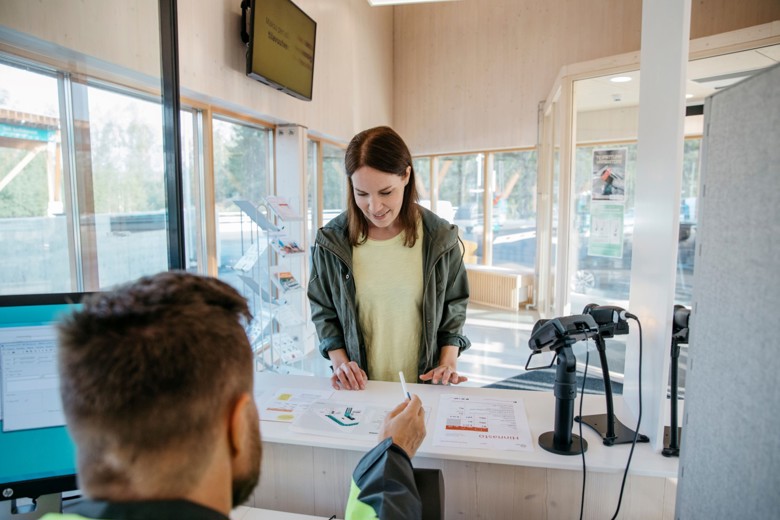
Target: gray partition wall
column 730, row 452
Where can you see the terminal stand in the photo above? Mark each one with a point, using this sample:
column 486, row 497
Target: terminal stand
column 610, row 428
column 673, row 433
column 14, row 509
column 562, row 441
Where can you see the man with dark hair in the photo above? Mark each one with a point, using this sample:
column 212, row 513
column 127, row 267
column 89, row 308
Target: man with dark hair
column 156, row 380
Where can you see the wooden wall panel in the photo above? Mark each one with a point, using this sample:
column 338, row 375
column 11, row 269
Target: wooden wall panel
column 353, row 70
column 473, row 77
column 452, row 76
column 709, row 17
column 316, row 481
column 117, row 32
column 469, row 75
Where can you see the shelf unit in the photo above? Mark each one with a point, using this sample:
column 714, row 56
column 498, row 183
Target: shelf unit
column 278, row 331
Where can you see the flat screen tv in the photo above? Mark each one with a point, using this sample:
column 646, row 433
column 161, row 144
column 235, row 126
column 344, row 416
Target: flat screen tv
column 37, row 456
column 281, row 47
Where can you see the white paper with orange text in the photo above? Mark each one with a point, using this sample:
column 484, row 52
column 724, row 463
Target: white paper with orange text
column 482, row 422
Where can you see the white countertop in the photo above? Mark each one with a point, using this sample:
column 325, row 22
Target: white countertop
column 253, row 513
column 539, row 406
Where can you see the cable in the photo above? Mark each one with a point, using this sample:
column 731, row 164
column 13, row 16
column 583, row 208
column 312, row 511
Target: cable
column 582, row 451
column 639, row 418
column 245, row 4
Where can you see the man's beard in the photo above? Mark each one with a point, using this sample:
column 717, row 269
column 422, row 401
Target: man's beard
column 243, row 485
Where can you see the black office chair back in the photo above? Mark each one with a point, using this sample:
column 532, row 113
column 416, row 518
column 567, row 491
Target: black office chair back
column 430, row 484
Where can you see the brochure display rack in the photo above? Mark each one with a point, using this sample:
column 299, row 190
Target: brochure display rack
column 266, row 269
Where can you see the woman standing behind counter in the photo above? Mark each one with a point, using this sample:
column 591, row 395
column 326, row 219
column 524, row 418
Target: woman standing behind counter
column 388, row 286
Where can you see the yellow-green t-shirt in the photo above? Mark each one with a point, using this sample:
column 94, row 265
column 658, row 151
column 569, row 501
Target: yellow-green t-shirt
column 389, row 289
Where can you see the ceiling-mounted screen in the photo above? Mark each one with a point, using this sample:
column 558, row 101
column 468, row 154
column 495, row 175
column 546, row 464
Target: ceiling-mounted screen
column 281, row 47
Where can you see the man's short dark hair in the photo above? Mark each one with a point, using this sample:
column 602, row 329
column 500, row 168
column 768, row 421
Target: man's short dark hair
column 152, row 368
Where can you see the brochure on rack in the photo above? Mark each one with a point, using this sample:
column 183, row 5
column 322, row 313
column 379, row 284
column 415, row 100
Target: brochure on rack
column 282, row 208
column 284, row 246
column 285, row 281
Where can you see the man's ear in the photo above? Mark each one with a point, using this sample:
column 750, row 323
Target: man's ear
column 238, row 425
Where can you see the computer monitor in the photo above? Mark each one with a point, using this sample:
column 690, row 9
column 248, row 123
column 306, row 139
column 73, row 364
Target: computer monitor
column 37, row 454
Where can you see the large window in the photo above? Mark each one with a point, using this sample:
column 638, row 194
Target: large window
column 81, row 183
column 606, row 275
column 461, row 187
column 33, row 227
column 334, row 182
column 83, row 188
column 462, row 183
column 514, row 210
column 193, row 183
column 686, row 248
column 128, row 179
column 326, row 183
column 242, row 166
column 422, row 177
column 603, row 191
column 602, row 271
column 313, row 195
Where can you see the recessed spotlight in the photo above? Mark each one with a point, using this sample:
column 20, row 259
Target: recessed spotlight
column 688, row 96
column 620, row 79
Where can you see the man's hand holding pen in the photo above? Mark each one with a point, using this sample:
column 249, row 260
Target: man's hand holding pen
column 406, row 425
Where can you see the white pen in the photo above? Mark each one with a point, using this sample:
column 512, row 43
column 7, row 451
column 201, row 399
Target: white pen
column 403, row 386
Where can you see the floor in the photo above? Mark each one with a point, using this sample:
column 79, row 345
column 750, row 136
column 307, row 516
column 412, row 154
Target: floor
column 499, row 344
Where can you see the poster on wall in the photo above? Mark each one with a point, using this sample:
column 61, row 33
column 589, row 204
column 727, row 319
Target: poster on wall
column 606, row 229
column 609, row 174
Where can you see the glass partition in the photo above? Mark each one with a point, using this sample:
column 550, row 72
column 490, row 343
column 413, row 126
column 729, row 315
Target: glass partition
column 128, row 179
column 242, row 162
column 33, row 223
column 602, row 267
column 82, row 167
column 312, row 192
column 605, row 116
column 93, row 214
column 686, row 249
column 554, row 203
column 334, row 182
column 514, row 209
column 461, row 190
column 194, row 202
column 422, row 175
column 544, row 268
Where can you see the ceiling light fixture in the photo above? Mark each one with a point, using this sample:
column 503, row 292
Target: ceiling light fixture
column 620, row 79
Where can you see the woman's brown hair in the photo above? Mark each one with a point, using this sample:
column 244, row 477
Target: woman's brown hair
column 383, row 149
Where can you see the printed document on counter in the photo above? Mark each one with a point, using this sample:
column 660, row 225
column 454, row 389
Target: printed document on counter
column 356, row 421
column 482, row 422
column 286, row 404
